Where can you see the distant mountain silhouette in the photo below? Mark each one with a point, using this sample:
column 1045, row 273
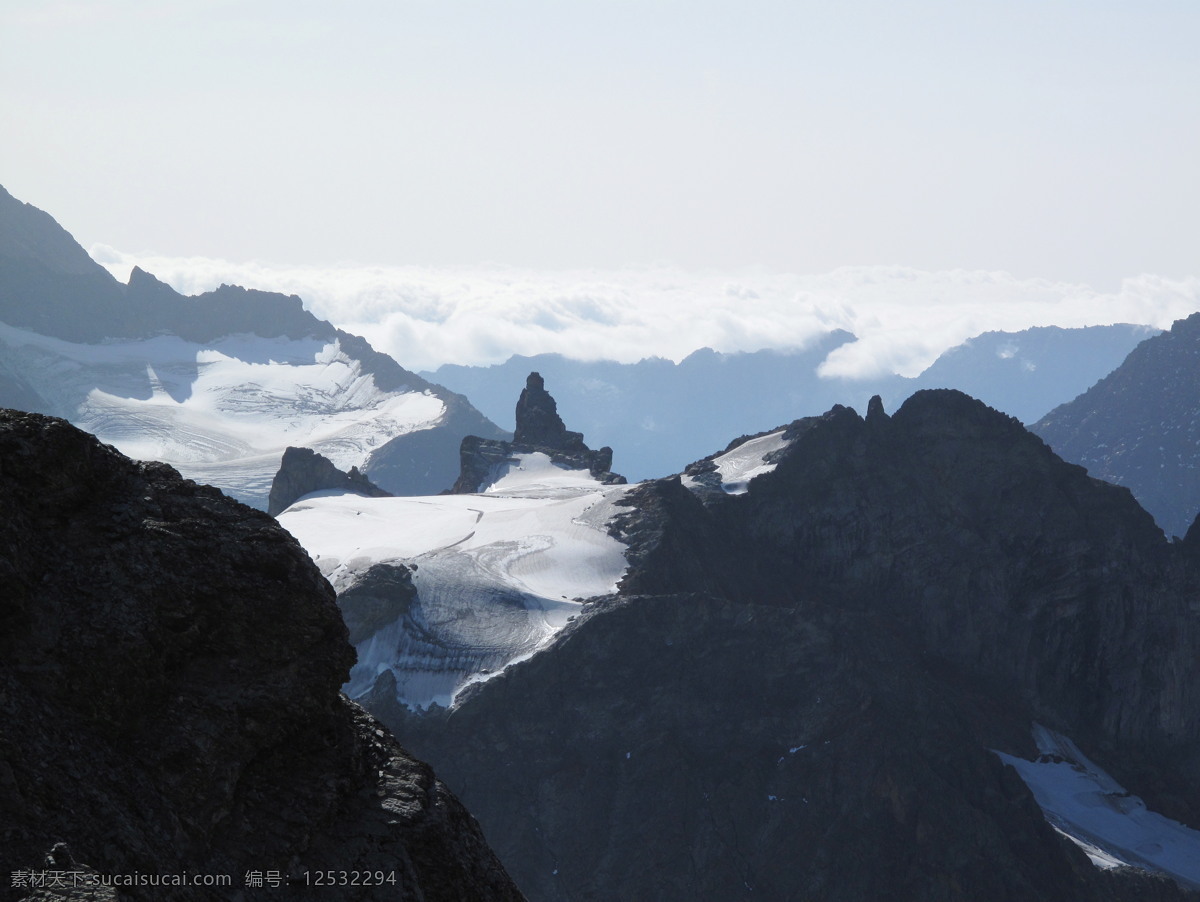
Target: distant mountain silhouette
column 1140, row 426
column 217, row 384
column 657, row 415
column 1027, row 373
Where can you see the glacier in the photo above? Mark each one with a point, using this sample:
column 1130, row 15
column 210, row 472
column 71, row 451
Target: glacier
column 223, row 411
column 496, row 573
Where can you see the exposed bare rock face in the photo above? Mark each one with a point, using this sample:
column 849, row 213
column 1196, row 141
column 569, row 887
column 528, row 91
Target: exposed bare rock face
column 538, row 422
column 539, row 429
column 810, row 679
column 169, row 672
column 303, row 470
column 1013, row 562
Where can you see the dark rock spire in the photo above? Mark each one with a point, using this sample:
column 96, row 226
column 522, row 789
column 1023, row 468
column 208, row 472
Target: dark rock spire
column 875, row 411
column 538, row 422
column 539, row 428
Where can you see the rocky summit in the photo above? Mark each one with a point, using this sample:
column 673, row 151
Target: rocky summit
column 538, row 422
column 169, row 671
column 539, row 429
column 910, row 657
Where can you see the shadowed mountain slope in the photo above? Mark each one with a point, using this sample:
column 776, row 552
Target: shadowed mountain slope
column 1140, row 426
column 825, row 635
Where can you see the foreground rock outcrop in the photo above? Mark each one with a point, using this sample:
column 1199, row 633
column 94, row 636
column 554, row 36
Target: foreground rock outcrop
column 539, row 429
column 169, row 672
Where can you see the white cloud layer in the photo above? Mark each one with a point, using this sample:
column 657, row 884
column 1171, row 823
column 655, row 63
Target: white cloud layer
column 904, row 318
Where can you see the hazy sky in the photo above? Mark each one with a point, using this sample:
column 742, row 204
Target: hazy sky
column 1047, row 139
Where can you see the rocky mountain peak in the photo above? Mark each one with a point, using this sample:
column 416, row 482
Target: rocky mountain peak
column 538, row 422
column 31, row 237
column 137, row 274
column 833, row 657
column 875, row 411
column 539, row 429
column 146, row 287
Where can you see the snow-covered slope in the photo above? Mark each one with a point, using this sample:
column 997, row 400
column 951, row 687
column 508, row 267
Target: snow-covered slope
column 733, row 470
column 1093, row 810
column 221, row 411
column 497, row 573
column 218, row 384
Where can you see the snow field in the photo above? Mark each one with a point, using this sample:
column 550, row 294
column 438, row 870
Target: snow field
column 222, row 412
column 738, row 467
column 1085, row 804
column 498, row 573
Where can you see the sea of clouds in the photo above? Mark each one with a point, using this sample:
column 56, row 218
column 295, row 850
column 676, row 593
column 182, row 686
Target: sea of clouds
column 903, row 318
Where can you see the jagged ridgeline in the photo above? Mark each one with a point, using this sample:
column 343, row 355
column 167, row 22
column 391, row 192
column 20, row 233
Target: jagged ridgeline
column 660, row 415
column 169, row 670
column 891, row 657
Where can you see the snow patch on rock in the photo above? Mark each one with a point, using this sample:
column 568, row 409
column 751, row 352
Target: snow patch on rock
column 737, row 467
column 1086, row 805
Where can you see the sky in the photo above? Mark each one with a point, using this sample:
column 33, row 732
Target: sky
column 579, row 141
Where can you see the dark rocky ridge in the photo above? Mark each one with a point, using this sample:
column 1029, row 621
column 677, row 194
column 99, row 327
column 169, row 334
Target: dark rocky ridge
column 50, row 285
column 1015, row 564
column 539, row 429
column 303, row 470
column 688, row 747
column 797, row 694
column 169, row 672
column 1139, row 426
